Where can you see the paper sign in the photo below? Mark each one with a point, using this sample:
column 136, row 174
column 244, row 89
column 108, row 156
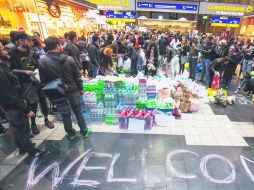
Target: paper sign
column 136, row 125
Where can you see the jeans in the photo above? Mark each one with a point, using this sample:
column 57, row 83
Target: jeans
column 246, row 66
column 20, row 130
column 193, row 64
column 161, row 61
column 65, row 105
column 175, row 66
column 183, row 60
column 134, row 67
column 42, row 100
column 205, row 69
column 95, row 70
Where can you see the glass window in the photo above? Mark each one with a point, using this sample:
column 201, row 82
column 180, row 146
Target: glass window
column 13, row 14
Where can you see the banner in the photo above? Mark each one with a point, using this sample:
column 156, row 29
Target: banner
column 224, row 9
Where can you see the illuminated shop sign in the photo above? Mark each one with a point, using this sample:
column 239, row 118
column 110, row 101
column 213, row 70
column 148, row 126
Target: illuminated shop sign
column 225, row 21
column 224, row 9
column 172, row 6
column 114, row 4
column 121, row 16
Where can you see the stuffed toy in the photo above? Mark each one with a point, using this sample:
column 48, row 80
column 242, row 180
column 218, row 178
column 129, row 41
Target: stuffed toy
column 231, row 100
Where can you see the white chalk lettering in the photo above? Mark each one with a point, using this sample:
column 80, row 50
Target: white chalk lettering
column 203, row 167
column 90, row 183
column 146, row 174
column 171, row 168
column 32, row 180
column 243, row 160
column 143, row 161
column 111, row 173
column 243, row 100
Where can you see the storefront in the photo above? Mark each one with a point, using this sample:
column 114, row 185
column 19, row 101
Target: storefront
column 120, row 19
column 166, row 25
column 178, row 16
column 49, row 17
column 114, row 5
column 247, row 26
column 222, row 17
column 118, row 13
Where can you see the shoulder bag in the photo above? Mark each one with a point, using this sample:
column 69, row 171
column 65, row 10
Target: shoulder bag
column 57, row 88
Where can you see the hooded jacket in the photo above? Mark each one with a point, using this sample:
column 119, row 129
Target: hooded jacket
column 56, row 65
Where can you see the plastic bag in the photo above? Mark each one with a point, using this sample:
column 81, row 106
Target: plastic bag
column 127, row 65
column 164, row 93
column 216, row 80
column 194, row 107
column 177, row 112
column 120, row 62
column 164, row 119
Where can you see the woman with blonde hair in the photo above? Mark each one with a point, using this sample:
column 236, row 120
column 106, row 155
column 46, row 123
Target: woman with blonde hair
column 106, row 66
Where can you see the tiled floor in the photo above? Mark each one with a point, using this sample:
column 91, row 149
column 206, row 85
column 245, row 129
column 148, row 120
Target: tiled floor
column 202, row 128
column 146, row 159
column 210, row 127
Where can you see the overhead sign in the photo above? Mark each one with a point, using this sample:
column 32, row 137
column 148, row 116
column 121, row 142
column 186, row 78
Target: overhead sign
column 225, row 21
column 164, row 6
column 117, row 16
column 224, row 9
column 114, row 4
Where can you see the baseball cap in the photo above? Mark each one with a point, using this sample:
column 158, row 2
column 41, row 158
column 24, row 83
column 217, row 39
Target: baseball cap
column 23, row 36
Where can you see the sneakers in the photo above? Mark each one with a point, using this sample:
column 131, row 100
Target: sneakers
column 84, row 135
column 88, row 132
column 71, row 136
column 49, row 124
column 39, row 114
column 38, row 153
column 35, row 129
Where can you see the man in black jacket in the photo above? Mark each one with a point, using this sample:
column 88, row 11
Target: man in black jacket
column 23, row 67
column 71, row 49
column 218, row 65
column 162, row 49
column 55, row 65
column 94, row 55
column 235, row 56
column 208, row 55
column 15, row 107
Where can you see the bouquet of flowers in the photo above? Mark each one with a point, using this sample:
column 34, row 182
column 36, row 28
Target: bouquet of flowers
column 220, row 98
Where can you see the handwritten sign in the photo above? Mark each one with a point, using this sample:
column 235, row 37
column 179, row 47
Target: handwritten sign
column 36, row 175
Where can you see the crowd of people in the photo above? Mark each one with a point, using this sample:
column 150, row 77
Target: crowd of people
column 35, row 72
column 153, row 52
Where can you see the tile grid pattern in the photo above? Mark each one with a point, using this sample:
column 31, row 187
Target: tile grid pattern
column 202, row 128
